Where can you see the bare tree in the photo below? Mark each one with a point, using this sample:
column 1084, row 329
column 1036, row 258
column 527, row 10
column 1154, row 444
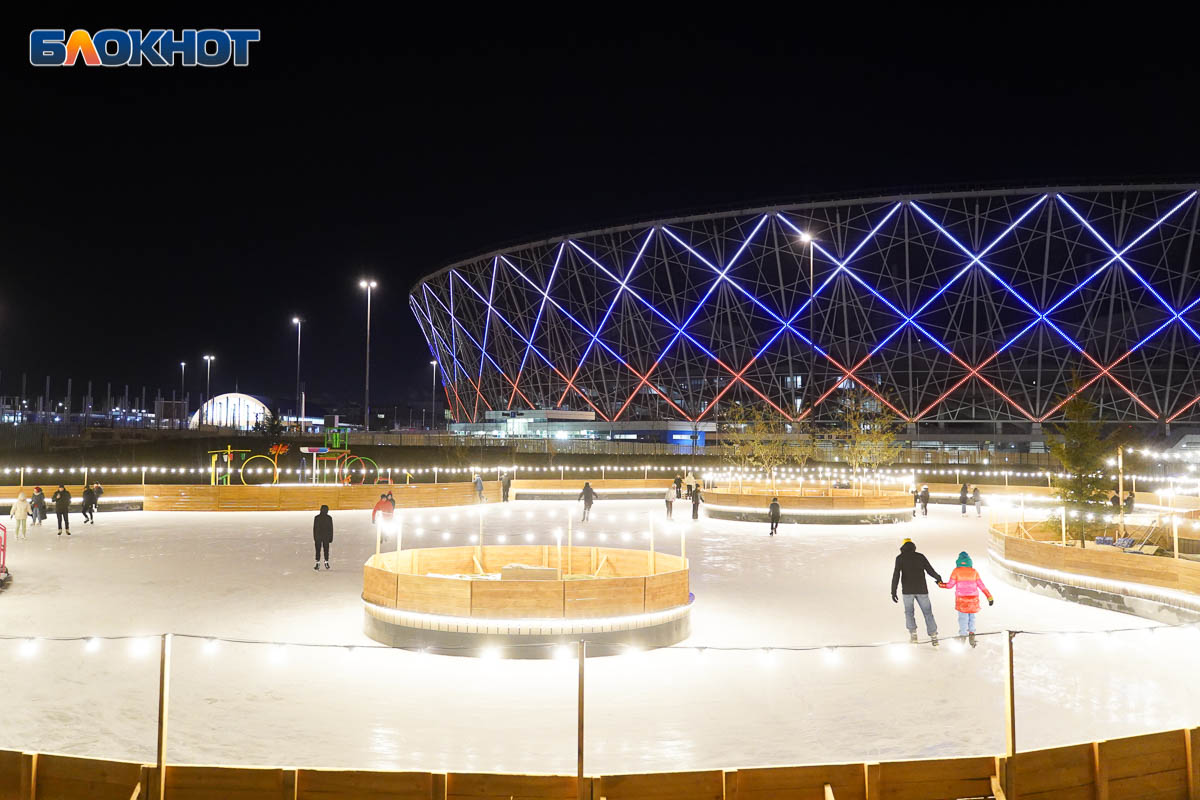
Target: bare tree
column 761, row 439
column 868, row 432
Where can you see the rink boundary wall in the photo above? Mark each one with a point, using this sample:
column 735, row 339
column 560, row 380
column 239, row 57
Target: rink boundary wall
column 293, row 497
column 1159, row 588
column 1155, row 765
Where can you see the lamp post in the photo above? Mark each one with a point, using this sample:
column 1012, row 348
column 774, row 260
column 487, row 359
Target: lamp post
column 432, row 393
column 299, row 324
column 207, row 386
column 806, row 238
column 368, row 285
column 182, row 373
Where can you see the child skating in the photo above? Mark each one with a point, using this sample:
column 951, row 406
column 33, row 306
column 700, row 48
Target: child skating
column 967, row 585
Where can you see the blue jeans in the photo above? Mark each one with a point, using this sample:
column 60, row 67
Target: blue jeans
column 910, row 619
column 966, row 622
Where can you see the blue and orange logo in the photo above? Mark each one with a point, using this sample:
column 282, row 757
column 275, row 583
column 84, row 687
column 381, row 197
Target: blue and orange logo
column 157, row 47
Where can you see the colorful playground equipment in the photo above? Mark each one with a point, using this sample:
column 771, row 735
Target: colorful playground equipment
column 275, row 450
column 334, row 463
column 219, row 475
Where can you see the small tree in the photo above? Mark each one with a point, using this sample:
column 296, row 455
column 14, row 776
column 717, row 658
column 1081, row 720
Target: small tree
column 868, row 433
column 1082, row 452
column 761, row 440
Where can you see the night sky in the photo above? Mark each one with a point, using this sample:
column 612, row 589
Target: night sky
column 153, row 215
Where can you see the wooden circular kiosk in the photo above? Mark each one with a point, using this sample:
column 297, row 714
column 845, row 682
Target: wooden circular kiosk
column 819, row 507
column 524, row 598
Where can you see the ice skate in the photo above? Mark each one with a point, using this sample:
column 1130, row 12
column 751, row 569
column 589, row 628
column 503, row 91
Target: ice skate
column 326, row 565
column 933, row 639
column 912, row 637
column 317, row 565
column 971, row 638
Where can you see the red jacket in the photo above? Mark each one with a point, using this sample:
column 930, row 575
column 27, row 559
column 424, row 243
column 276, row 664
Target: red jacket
column 967, row 585
column 382, row 506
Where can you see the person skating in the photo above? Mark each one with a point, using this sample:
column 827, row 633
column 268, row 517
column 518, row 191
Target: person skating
column 978, row 501
column 1115, row 502
column 690, row 481
column 37, row 503
column 773, row 512
column 505, row 485
column 478, row 488
column 391, row 499
column 669, row 497
column 962, row 499
column 678, row 486
column 588, row 496
column 697, row 499
column 916, row 501
column 967, row 585
column 322, row 536
column 383, row 508
column 62, row 508
column 909, row 573
column 925, row 501
column 89, row 505
column 99, row 490
column 19, row 514
column 1129, row 500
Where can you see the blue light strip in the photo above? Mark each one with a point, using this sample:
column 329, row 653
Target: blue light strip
column 604, row 321
column 1119, row 256
column 483, row 348
column 536, row 321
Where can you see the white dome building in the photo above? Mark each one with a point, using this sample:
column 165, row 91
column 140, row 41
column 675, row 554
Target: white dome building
column 232, row 410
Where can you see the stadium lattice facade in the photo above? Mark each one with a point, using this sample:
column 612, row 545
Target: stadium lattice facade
column 972, row 307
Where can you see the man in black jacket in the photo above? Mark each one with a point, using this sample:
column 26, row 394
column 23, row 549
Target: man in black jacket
column 62, row 507
column 322, row 535
column 773, row 513
column 588, row 496
column 910, row 571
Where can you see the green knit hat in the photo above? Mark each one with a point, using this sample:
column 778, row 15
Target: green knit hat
column 964, row 560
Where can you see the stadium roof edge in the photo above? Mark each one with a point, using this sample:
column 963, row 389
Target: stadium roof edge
column 822, row 203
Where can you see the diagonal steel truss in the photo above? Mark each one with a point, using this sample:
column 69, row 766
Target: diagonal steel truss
column 971, row 307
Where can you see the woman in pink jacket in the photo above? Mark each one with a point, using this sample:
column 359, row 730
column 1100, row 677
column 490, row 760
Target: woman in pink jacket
column 967, row 585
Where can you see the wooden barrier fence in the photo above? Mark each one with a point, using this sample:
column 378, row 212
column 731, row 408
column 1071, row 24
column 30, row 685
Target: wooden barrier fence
column 1155, row 766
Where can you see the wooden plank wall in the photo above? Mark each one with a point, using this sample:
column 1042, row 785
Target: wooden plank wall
column 1168, row 573
column 1156, row 766
column 171, row 497
column 576, row 484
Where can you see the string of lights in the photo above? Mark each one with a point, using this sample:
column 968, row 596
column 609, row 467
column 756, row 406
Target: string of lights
column 143, row 644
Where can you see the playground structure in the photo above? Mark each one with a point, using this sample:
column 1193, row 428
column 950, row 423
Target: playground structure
column 219, row 476
column 334, row 463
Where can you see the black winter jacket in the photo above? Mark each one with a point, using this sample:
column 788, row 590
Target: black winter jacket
column 774, row 512
column 322, row 528
column 89, row 498
column 910, row 571
column 62, row 500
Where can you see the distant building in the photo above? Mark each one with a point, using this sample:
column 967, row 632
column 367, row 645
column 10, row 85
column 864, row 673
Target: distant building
column 232, row 410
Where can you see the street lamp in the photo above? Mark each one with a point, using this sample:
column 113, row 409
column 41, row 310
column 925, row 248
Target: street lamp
column 806, row 238
column 432, row 393
column 182, row 373
column 207, row 387
column 368, row 285
column 298, row 323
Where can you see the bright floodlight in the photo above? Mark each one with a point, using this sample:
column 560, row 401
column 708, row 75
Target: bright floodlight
column 806, row 237
column 295, row 320
column 365, row 283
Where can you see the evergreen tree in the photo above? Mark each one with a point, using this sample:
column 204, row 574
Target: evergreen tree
column 1082, row 453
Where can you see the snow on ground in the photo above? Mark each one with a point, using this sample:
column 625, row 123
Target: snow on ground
column 249, row 576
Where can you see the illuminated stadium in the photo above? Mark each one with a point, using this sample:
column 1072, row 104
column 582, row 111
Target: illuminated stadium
column 975, row 311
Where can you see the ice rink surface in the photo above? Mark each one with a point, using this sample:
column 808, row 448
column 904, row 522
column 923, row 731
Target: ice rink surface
column 249, row 576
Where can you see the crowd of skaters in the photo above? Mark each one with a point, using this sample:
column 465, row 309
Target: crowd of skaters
column 27, row 513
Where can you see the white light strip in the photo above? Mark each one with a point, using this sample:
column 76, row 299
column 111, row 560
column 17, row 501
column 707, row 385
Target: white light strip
column 485, row 625
column 826, row 512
